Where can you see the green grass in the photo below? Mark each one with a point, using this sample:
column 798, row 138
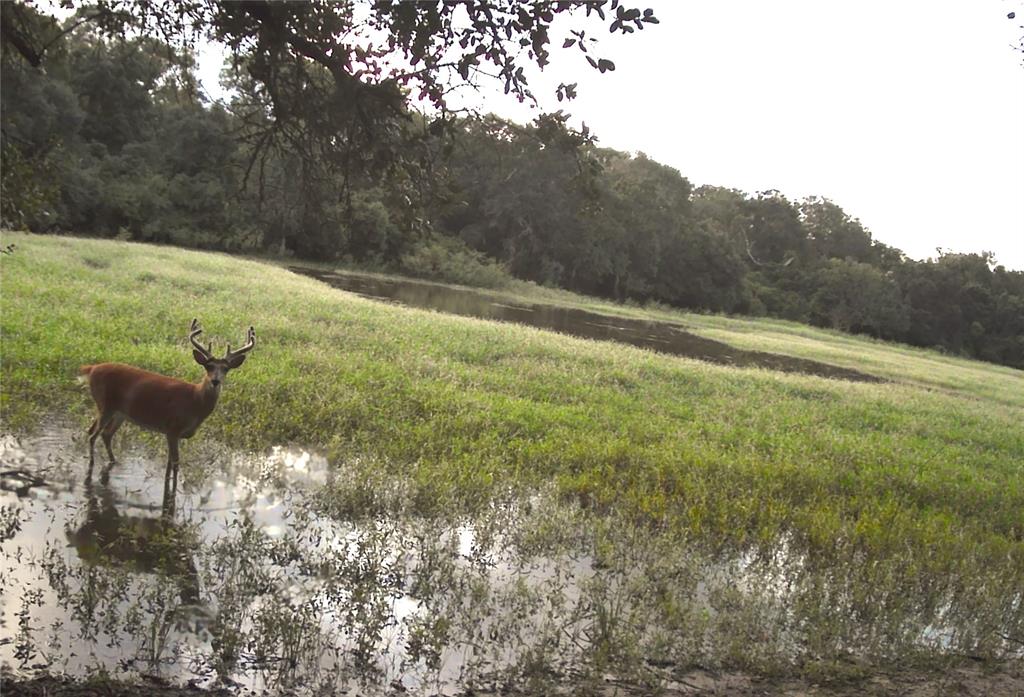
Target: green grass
column 926, row 471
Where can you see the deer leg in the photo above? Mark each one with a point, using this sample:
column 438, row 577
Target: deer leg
column 172, row 460
column 92, row 438
column 169, row 493
column 108, row 433
column 88, row 472
column 98, row 425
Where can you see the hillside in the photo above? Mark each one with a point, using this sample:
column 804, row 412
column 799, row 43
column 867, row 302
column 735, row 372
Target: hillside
column 892, row 510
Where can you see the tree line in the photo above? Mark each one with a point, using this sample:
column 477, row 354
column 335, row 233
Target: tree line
column 112, row 137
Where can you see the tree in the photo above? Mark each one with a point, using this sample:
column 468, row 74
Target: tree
column 40, row 120
column 652, row 202
column 833, row 234
column 517, row 195
column 776, row 235
column 854, row 296
column 335, row 82
column 965, row 303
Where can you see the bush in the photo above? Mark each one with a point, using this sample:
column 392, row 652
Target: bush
column 450, row 260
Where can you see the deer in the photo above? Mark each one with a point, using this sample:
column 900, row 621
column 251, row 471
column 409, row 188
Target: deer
column 156, row 402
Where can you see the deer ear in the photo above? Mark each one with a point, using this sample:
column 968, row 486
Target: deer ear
column 236, row 361
column 200, row 358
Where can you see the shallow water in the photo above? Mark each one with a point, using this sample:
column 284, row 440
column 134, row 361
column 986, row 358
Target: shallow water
column 664, row 337
column 90, row 554
column 235, row 579
column 240, row 577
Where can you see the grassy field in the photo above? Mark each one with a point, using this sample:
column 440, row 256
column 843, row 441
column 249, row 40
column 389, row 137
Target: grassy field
column 907, row 364
column 910, row 493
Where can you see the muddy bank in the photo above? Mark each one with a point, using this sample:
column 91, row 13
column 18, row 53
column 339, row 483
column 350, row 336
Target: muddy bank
column 664, row 337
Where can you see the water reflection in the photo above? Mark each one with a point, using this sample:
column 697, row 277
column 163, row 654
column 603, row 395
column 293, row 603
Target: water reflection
column 140, row 543
column 134, row 582
column 235, row 578
column 664, row 337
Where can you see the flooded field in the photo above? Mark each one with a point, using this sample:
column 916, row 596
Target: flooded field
column 664, row 337
column 279, row 571
column 120, row 575
column 238, row 579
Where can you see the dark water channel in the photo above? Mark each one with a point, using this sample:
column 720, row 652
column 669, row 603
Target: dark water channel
column 664, row 337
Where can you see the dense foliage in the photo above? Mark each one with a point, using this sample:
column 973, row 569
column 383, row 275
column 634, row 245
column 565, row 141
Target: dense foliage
column 110, row 137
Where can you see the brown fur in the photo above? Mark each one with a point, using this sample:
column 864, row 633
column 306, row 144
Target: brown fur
column 155, row 402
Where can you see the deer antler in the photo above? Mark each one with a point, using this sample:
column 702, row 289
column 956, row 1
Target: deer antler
column 250, row 342
column 193, row 332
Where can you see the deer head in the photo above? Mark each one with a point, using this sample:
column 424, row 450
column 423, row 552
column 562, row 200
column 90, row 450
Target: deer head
column 217, row 368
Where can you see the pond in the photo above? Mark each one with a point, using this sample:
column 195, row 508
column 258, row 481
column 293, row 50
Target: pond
column 664, row 337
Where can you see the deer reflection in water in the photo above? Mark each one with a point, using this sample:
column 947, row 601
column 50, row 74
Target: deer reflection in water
column 143, row 544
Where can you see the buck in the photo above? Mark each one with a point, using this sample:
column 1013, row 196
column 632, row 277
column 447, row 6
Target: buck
column 156, row 402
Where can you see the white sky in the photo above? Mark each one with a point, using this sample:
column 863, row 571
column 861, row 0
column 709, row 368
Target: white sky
column 908, row 114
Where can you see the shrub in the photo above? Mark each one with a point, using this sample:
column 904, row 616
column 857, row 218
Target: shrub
column 450, row 260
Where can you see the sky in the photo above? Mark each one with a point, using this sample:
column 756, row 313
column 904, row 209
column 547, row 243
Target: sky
column 909, row 114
